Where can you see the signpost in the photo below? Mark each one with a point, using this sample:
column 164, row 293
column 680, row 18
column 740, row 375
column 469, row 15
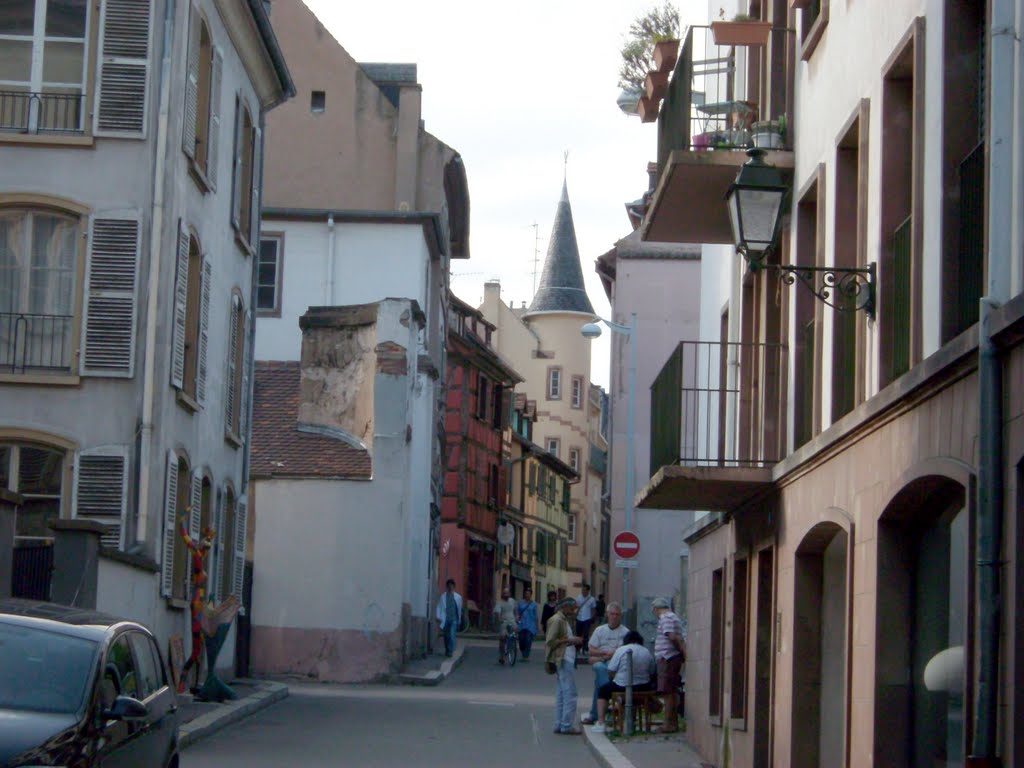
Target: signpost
column 626, row 545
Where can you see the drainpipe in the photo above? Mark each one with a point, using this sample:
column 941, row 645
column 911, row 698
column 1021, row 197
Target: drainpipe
column 329, row 287
column 984, row 748
column 146, row 464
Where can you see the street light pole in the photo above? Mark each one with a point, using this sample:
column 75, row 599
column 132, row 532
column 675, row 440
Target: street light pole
column 592, row 331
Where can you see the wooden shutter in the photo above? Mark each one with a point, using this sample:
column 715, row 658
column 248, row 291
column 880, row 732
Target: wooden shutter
column 195, row 518
column 122, row 103
column 243, row 394
column 108, row 328
column 213, row 139
column 234, row 332
column 257, row 171
column 204, row 331
column 216, row 559
column 170, row 525
column 101, row 490
column 532, row 483
column 191, row 116
column 236, row 182
column 180, row 308
column 238, row 560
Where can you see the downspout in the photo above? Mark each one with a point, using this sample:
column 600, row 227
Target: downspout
column 329, row 281
column 153, row 288
column 984, row 747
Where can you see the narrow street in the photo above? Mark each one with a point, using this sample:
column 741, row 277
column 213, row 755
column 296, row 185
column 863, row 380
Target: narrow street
column 484, row 714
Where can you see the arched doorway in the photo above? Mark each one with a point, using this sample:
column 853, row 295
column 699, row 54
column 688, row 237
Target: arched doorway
column 821, row 600
column 921, row 625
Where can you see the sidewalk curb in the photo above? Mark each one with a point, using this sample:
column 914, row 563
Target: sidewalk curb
column 607, row 754
column 231, row 712
column 434, row 677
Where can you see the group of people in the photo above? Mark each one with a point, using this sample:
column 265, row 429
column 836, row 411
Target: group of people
column 615, row 652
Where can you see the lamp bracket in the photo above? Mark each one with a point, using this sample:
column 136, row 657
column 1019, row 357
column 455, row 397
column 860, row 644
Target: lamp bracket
column 846, row 289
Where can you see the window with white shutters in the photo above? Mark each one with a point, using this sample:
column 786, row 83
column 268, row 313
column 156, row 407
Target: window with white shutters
column 201, row 119
column 204, row 332
column 226, row 545
column 247, row 169
column 122, row 104
column 195, row 521
column 109, row 324
column 180, row 306
column 177, row 499
column 36, row 473
column 238, row 559
column 101, row 490
column 234, row 418
column 190, row 303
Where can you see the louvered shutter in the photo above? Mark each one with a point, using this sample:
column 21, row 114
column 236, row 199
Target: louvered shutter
column 101, row 490
column 213, row 151
column 189, row 120
column 234, row 331
column 204, row 331
column 108, row 329
column 122, row 105
column 257, row 172
column 236, row 181
column 238, row 560
column 195, row 517
column 170, row 525
column 243, row 395
column 180, row 308
column 533, row 478
column 218, row 550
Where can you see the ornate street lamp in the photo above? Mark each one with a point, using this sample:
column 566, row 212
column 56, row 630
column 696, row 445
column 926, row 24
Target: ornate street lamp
column 755, row 202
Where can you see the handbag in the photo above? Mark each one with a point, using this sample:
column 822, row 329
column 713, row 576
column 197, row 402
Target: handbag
column 550, row 668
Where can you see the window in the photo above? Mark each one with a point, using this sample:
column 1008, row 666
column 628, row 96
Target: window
column 37, row 473
column 147, row 658
column 43, row 65
column 120, row 671
column 813, row 20
column 178, row 498
column 809, row 245
column 532, row 483
column 269, row 276
column 482, row 388
column 577, row 392
column 572, row 528
column 201, row 124
column 191, row 320
column 238, row 373
column 498, row 408
column 494, row 486
column 318, row 102
column 554, row 383
column 738, row 701
column 245, row 211
column 574, row 459
column 553, row 445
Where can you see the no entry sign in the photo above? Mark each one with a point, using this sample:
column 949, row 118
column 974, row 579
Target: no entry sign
column 626, row 545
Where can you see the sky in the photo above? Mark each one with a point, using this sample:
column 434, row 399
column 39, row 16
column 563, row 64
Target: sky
column 512, row 87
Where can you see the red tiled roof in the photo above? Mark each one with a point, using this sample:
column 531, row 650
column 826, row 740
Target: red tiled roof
column 279, row 449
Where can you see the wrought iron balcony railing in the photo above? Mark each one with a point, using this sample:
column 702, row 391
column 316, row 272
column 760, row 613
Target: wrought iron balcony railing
column 31, row 342
column 25, row 112
column 719, row 405
column 712, row 101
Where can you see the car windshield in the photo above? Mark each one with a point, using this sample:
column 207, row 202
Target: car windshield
column 43, row 671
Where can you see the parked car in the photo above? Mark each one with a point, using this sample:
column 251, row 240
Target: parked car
column 82, row 690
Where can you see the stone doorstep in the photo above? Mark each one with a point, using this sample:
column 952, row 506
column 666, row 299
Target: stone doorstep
column 231, row 712
column 434, row 676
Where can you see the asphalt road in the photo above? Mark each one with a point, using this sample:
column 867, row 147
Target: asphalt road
column 483, row 715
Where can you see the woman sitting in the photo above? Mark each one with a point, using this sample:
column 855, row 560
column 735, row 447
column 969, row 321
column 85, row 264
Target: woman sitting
column 618, row 666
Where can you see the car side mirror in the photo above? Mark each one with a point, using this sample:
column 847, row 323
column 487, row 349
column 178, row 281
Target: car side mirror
column 126, row 708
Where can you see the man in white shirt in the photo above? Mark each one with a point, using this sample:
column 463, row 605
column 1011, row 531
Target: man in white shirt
column 506, row 617
column 449, row 615
column 640, row 661
column 603, row 643
column 586, row 607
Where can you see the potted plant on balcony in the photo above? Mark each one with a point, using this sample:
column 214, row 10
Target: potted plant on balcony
column 665, row 54
column 655, row 84
column 769, row 134
column 742, row 30
column 661, row 24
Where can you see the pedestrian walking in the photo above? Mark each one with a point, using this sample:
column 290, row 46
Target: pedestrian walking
column 549, row 610
column 527, row 622
column 506, row 619
column 449, row 615
column 586, row 609
column 561, row 646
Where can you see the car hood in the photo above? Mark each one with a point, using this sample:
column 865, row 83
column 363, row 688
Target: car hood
column 25, row 735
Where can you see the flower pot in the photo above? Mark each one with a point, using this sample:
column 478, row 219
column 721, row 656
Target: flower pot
column 655, row 85
column 648, row 110
column 740, row 32
column 665, row 54
column 767, row 140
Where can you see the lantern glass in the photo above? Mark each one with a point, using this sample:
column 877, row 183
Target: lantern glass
column 754, row 214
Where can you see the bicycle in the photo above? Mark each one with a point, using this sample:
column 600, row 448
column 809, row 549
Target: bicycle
column 511, row 645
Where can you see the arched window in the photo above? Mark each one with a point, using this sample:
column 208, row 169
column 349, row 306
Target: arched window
column 235, row 400
column 191, row 319
column 201, row 124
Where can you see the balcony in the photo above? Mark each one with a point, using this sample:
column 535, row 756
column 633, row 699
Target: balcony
column 721, row 101
column 35, row 343
column 717, row 425
column 46, row 113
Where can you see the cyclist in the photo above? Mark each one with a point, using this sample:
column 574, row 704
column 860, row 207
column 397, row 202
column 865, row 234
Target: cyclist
column 506, row 617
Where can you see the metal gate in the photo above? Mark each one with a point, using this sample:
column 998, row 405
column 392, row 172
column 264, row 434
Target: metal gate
column 33, row 567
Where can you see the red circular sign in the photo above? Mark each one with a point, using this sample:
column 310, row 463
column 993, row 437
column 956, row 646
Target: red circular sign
column 626, row 545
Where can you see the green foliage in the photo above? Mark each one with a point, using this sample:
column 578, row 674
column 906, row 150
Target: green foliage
column 638, row 47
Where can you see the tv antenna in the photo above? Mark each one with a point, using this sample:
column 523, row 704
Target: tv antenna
column 536, row 254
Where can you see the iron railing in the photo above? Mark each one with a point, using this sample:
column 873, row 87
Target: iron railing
column 711, row 102
column 719, row 404
column 35, row 342
column 32, row 571
column 971, row 266
column 26, row 112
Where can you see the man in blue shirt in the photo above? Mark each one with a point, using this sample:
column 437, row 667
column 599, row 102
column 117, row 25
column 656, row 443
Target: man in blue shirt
column 449, row 615
column 527, row 622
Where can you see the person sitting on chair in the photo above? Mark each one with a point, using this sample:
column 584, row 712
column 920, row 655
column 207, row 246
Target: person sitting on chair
column 643, row 670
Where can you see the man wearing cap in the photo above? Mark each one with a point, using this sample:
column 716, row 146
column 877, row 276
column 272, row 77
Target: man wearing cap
column 669, row 655
column 561, row 660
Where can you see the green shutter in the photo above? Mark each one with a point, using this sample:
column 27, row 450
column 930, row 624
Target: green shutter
column 566, row 495
column 532, row 484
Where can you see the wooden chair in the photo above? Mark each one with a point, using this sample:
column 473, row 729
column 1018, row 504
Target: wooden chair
column 642, row 710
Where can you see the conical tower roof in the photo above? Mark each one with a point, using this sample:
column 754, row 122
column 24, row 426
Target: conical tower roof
column 561, row 283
